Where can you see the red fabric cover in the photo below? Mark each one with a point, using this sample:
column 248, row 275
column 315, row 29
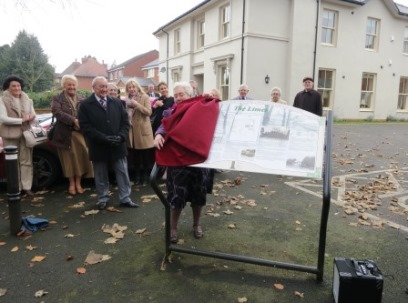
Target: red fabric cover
column 189, row 132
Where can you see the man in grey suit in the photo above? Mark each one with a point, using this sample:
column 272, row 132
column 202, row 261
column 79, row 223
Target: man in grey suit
column 243, row 93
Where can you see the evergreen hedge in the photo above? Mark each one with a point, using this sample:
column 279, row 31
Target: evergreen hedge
column 43, row 99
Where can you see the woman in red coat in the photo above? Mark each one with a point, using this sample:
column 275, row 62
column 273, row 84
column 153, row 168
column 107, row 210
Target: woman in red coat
column 186, row 183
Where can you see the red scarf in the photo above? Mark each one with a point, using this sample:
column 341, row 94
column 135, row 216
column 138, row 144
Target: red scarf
column 189, row 132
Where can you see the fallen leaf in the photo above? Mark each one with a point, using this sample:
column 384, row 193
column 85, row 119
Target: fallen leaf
column 77, row 205
column 298, row 222
column 140, row 231
column 113, row 209
column 111, row 240
column 38, row 259
column 228, row 212
column 238, row 181
column 69, row 258
column 242, row 300
column 237, row 207
column 24, row 233
column 40, row 293
column 81, row 270
column 113, row 229
column 232, row 226
column 14, row 249
column 299, row 294
column 52, row 222
column 94, row 258
column 3, row 291
column 2, row 243
column 250, row 203
column 91, row 212
column 278, row 286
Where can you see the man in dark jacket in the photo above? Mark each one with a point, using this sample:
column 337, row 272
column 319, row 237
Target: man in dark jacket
column 105, row 126
column 309, row 99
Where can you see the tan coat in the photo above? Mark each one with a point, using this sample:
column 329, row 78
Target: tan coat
column 140, row 132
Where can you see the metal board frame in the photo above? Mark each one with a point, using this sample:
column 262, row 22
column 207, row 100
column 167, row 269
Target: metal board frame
column 318, row 270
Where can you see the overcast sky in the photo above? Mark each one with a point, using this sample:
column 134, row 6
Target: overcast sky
column 110, row 30
column 106, row 29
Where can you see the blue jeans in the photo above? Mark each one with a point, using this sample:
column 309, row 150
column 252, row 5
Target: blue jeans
column 101, row 172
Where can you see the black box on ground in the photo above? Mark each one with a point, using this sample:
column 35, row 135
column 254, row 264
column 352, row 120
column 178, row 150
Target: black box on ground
column 356, row 281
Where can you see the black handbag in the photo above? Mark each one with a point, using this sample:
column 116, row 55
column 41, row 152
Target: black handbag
column 51, row 129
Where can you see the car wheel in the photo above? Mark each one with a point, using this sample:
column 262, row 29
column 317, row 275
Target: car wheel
column 47, row 169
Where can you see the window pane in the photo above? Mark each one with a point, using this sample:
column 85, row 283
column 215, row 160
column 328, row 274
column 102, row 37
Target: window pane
column 324, row 86
column 369, row 42
column 367, row 91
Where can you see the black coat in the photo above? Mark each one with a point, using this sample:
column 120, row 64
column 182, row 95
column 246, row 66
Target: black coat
column 96, row 124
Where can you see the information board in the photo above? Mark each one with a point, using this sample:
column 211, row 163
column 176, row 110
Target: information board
column 267, row 137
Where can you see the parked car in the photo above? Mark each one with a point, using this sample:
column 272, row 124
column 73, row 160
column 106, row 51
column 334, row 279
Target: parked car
column 46, row 164
column 44, row 117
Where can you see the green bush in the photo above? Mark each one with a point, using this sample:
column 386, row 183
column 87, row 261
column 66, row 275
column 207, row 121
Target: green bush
column 43, row 99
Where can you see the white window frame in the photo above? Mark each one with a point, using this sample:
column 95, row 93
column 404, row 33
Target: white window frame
column 325, row 86
column 150, row 73
column 403, row 95
column 176, row 73
column 372, row 34
column 177, row 42
column 200, row 33
column 223, row 80
column 222, row 70
column 405, row 45
column 225, row 20
column 329, row 27
column 368, row 84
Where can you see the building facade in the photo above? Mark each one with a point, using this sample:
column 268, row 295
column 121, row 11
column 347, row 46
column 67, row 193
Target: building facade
column 135, row 67
column 85, row 71
column 356, row 50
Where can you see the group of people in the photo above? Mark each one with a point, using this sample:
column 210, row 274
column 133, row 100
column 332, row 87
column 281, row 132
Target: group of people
column 96, row 134
column 307, row 99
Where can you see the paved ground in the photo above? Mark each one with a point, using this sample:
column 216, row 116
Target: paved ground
column 277, row 219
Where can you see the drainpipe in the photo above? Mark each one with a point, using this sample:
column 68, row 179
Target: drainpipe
column 167, row 56
column 316, row 31
column 242, row 41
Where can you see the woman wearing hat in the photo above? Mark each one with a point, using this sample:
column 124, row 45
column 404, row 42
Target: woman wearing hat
column 16, row 113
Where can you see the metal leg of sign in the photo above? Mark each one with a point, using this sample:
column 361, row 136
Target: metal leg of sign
column 153, row 182
column 326, row 197
column 318, row 271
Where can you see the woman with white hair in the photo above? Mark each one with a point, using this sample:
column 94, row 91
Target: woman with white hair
column 68, row 138
column 184, row 183
column 276, row 95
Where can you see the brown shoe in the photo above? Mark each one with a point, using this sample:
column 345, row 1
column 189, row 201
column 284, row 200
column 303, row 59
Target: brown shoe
column 198, row 232
column 173, row 236
column 27, row 192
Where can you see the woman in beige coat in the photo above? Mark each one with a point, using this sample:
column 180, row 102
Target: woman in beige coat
column 141, row 141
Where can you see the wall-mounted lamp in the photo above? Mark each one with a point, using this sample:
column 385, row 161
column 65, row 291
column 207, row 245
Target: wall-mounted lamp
column 163, row 69
column 267, row 79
